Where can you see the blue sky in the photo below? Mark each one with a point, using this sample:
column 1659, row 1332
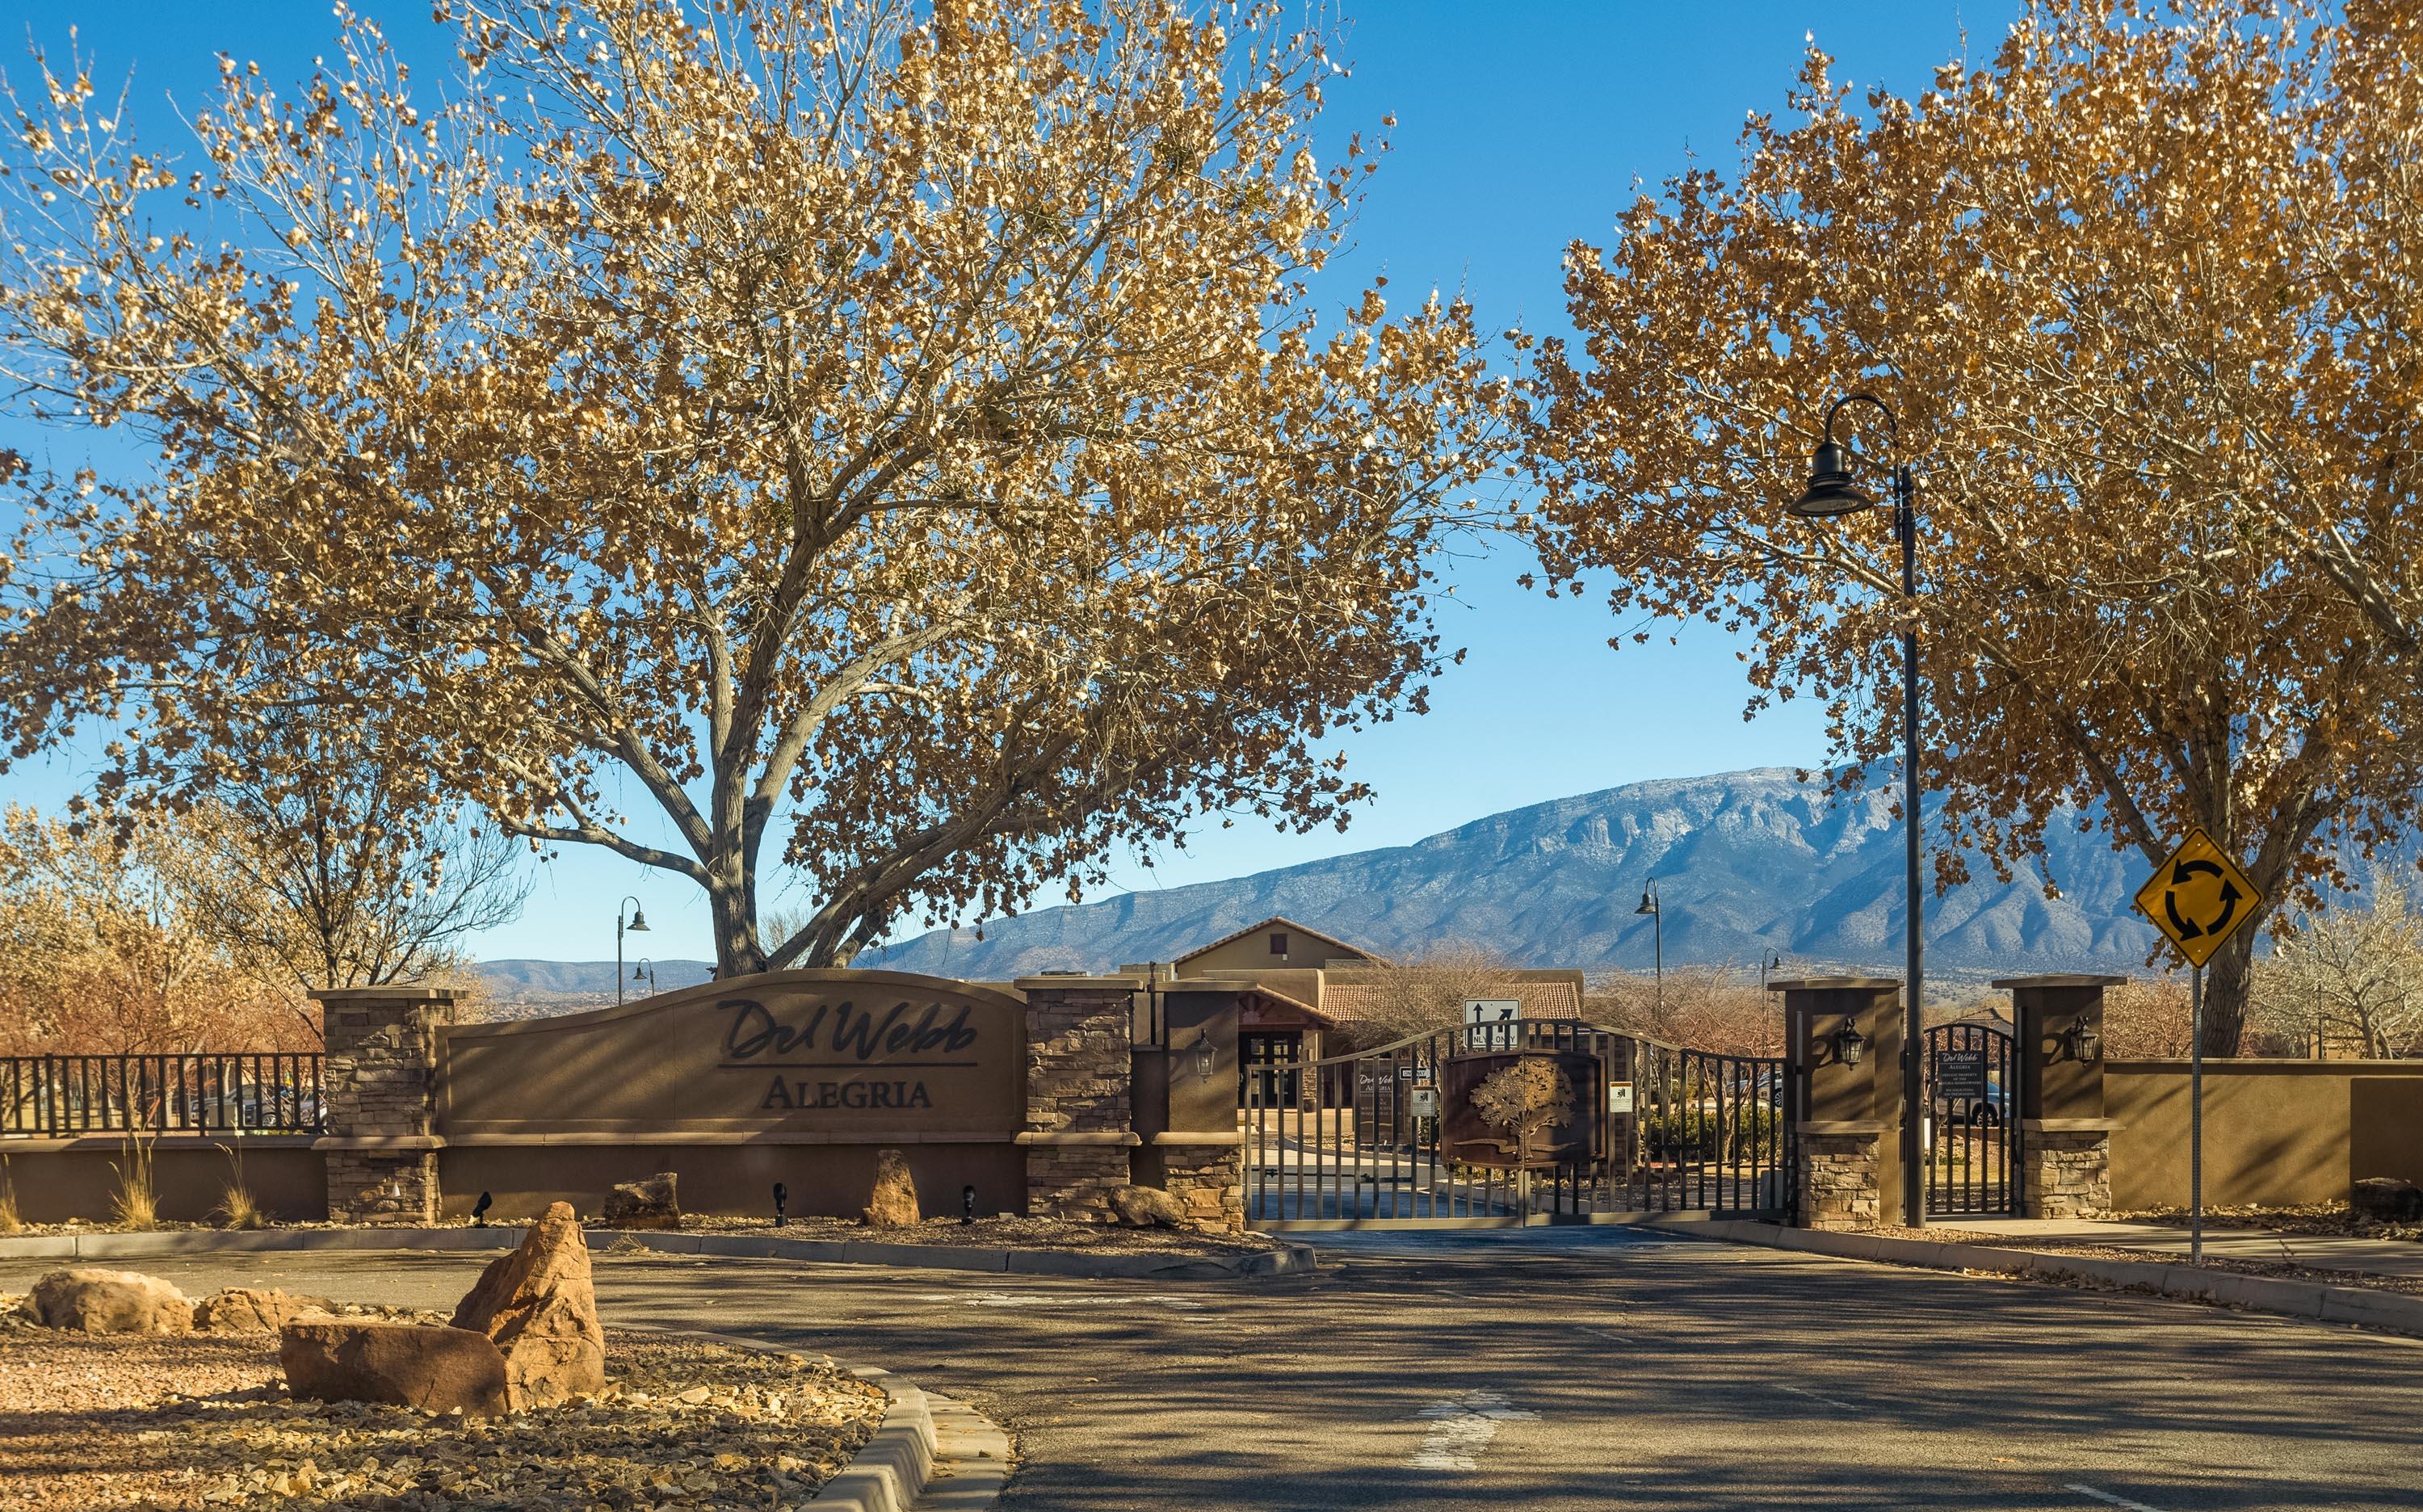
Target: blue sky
column 1520, row 127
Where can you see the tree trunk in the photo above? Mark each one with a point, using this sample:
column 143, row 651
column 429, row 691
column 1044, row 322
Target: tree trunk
column 734, row 906
column 2226, row 979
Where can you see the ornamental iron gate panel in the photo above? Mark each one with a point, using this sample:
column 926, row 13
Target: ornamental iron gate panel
column 1715, row 1133
column 1364, row 1139
column 1972, row 1101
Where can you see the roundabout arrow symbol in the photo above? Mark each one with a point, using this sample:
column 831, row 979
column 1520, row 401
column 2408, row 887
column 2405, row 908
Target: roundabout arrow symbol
column 2230, row 897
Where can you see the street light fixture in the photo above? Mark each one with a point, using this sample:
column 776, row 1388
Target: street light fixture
column 1656, row 912
column 646, row 971
column 638, row 925
column 1832, row 493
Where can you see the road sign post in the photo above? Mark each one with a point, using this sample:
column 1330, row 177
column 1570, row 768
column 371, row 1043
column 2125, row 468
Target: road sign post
column 2198, row 899
column 2195, row 1116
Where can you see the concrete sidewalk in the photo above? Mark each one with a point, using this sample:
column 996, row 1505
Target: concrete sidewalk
column 2377, row 1257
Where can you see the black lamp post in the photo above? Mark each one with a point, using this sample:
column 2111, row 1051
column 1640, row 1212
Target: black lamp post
column 1831, row 493
column 1656, row 913
column 646, row 971
column 639, row 924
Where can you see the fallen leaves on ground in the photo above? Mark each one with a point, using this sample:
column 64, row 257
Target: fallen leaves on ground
column 203, row 1421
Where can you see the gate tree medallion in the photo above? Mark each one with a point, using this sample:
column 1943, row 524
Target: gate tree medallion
column 1520, row 1111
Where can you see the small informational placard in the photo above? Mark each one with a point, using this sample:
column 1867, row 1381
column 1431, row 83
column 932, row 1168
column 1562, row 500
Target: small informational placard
column 1426, row 1103
column 1619, row 1097
column 1493, row 1023
column 1960, row 1076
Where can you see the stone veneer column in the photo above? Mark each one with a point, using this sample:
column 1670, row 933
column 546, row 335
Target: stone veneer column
column 2065, row 1140
column 1849, row 1121
column 381, row 1093
column 1079, row 1081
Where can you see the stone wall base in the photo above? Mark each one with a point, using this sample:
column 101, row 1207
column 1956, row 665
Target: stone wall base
column 1211, row 1180
column 1840, row 1181
column 2067, row 1174
column 383, row 1187
column 1074, row 1181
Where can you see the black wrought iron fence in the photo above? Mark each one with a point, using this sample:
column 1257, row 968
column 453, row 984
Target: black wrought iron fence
column 215, row 1093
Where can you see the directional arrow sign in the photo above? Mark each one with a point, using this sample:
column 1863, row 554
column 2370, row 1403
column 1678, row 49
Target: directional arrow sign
column 2199, row 897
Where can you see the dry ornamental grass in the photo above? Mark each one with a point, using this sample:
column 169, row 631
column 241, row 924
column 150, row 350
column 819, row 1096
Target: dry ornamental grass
column 203, row 1421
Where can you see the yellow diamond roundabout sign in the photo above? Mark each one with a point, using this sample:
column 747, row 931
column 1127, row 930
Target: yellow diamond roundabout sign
column 2199, row 897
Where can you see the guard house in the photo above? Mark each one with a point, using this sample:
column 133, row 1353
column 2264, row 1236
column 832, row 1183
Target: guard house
column 1301, row 994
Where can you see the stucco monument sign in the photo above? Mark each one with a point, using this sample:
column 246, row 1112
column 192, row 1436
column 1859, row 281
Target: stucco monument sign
column 840, row 1053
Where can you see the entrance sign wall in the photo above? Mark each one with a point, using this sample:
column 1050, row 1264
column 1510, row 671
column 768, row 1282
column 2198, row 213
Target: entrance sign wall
column 881, row 1057
column 1017, row 1100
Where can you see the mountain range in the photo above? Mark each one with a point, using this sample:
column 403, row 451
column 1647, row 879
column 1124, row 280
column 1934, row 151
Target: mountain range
column 1743, row 862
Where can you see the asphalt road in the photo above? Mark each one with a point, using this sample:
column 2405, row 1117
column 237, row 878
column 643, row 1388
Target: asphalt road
column 1558, row 1370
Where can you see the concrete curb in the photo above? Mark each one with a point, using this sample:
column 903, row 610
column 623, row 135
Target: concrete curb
column 2392, row 1311
column 1293, row 1260
column 930, row 1454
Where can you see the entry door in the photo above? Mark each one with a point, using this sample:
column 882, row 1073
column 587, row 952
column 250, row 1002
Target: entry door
column 1257, row 1052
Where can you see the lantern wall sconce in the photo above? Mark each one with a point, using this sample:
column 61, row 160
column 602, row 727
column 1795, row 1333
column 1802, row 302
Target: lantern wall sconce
column 1207, row 1055
column 2082, row 1043
column 1849, row 1044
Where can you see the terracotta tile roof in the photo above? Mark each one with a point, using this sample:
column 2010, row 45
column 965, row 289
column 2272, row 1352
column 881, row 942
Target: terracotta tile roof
column 1550, row 999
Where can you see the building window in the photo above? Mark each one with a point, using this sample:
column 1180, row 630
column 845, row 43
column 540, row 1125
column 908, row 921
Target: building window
column 1278, row 942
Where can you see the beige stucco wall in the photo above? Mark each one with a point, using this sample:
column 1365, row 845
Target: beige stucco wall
column 57, row 1179
column 2275, row 1132
column 1252, row 953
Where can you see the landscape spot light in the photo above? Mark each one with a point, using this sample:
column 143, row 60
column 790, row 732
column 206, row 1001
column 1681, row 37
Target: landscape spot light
column 2082, row 1040
column 1848, row 1043
column 968, row 1204
column 480, row 1210
column 781, row 1196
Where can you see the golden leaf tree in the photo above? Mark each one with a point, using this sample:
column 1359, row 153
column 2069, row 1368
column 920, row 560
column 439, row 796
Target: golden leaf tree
column 2136, row 366
column 894, row 441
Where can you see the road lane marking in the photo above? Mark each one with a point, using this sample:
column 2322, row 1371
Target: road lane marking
column 1830, row 1400
column 2108, row 1499
column 1053, row 1300
column 1462, row 1428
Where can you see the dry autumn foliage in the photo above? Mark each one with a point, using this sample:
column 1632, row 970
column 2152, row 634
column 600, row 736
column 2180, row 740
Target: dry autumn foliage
column 2142, row 292
column 102, row 961
column 899, row 436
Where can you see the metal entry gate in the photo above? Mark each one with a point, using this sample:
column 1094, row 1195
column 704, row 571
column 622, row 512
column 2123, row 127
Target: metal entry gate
column 1972, row 1154
column 1357, row 1139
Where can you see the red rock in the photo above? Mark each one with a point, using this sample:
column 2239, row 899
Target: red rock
column 893, row 1205
column 252, row 1310
column 1146, row 1207
column 94, row 1300
column 418, row 1365
column 539, row 1308
column 645, row 1204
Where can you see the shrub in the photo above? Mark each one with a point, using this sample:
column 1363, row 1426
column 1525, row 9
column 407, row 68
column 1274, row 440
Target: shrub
column 11, row 1222
column 136, row 1204
column 237, row 1209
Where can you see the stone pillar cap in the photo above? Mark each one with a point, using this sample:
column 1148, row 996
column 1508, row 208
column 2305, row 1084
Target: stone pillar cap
column 2059, row 978
column 1813, row 984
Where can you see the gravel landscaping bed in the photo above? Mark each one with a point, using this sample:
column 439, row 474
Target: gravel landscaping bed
column 993, row 1232
column 2333, row 1220
column 2283, row 1270
column 203, row 1421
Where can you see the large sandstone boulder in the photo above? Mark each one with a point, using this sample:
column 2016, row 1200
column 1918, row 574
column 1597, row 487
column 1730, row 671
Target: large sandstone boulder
column 645, row 1204
column 2388, row 1198
column 1147, row 1207
column 893, row 1205
column 404, row 1364
column 254, row 1310
column 111, row 1301
column 538, row 1306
